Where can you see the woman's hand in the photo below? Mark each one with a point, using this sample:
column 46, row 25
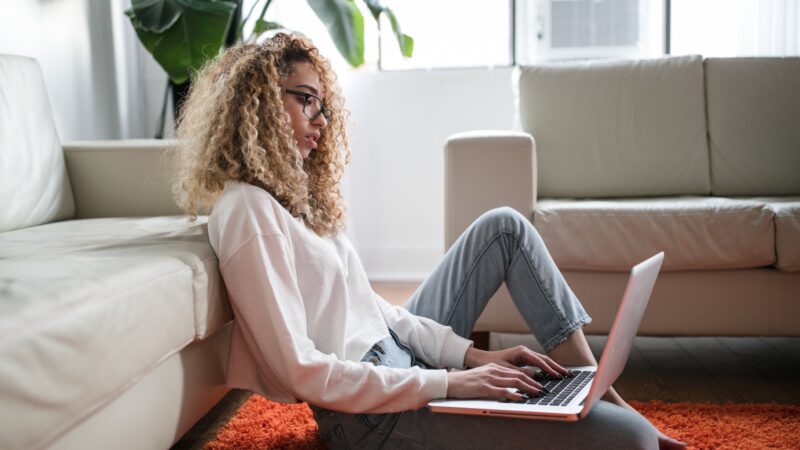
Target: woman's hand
column 499, row 374
column 492, row 381
column 514, row 358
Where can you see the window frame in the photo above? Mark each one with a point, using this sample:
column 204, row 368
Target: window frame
column 511, row 48
column 512, row 44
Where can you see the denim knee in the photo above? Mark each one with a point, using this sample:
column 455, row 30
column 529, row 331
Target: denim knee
column 629, row 429
column 504, row 218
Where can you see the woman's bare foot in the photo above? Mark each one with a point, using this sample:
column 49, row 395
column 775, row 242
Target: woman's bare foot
column 667, row 443
column 575, row 351
column 664, row 442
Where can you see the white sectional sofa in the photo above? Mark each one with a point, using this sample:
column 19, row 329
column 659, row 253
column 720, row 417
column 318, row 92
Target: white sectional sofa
column 617, row 160
column 114, row 324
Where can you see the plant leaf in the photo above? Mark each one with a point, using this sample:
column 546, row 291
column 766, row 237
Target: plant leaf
column 197, row 36
column 376, row 7
column 156, row 15
column 264, row 25
column 345, row 24
column 404, row 41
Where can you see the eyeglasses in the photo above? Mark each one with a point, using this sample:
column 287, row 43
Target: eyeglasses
column 312, row 105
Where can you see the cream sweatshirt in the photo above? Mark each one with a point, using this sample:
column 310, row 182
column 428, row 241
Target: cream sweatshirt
column 305, row 315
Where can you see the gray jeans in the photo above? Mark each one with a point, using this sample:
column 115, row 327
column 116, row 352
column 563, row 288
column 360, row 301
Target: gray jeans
column 500, row 246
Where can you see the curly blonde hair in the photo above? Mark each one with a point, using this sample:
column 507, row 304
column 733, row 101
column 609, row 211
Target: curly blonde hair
column 233, row 127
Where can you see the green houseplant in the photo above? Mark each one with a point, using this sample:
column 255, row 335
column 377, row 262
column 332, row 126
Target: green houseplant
column 183, row 34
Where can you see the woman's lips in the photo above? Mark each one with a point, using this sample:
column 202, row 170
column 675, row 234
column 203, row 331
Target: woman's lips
column 312, row 141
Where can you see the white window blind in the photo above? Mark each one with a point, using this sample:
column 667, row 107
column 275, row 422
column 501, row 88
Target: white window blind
column 568, row 29
column 590, row 23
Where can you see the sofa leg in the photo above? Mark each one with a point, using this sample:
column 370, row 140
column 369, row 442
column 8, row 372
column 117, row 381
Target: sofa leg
column 481, row 339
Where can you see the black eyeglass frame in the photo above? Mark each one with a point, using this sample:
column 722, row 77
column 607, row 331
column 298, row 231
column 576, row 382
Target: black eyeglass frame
column 324, row 111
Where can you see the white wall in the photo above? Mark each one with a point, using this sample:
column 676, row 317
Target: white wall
column 65, row 36
column 396, row 181
column 102, row 84
column 141, row 82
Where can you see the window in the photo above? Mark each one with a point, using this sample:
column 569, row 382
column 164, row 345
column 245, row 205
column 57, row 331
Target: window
column 449, row 33
column 480, row 33
column 736, row 27
column 567, row 29
column 472, row 33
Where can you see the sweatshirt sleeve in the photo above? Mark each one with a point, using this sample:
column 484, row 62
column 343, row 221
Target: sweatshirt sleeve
column 437, row 344
column 262, row 285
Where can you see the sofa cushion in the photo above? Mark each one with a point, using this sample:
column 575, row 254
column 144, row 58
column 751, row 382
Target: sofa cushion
column 695, row 233
column 754, row 125
column 787, row 231
column 34, row 184
column 88, row 307
column 617, row 129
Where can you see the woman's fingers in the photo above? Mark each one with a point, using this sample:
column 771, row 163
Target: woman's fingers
column 539, row 362
column 494, row 381
column 523, row 385
column 528, row 375
column 507, row 377
column 529, row 371
column 544, row 362
column 555, row 366
column 497, row 393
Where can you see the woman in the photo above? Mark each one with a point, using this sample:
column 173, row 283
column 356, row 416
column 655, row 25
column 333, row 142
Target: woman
column 263, row 143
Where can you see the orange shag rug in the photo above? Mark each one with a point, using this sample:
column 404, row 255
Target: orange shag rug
column 262, row 424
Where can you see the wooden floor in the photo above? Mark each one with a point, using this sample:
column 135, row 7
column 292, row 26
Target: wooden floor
column 671, row 369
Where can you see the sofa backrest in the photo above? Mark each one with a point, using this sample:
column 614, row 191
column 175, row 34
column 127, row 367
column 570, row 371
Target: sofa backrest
column 617, row 128
column 754, row 125
column 34, row 184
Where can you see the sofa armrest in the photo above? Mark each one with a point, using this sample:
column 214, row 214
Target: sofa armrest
column 120, row 178
column 485, row 170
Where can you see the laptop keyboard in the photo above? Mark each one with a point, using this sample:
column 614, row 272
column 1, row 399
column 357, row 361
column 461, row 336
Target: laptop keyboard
column 562, row 390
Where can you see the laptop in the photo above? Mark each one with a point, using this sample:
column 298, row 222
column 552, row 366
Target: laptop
column 572, row 398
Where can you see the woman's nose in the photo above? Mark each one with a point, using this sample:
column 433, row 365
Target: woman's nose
column 320, row 121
